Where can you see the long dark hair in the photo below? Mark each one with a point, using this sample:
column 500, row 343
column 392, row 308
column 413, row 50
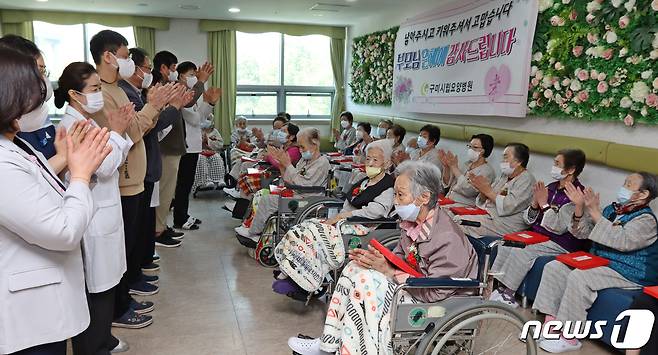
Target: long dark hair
column 22, row 88
column 73, row 78
column 164, row 57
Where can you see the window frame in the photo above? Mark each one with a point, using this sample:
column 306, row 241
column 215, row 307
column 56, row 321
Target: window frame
column 283, row 90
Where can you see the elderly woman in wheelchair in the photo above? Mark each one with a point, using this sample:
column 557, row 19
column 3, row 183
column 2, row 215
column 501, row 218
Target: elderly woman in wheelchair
column 361, row 316
column 309, row 177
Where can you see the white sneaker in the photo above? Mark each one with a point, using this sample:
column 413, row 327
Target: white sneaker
column 122, row 347
column 230, row 205
column 561, row 345
column 306, row 346
column 232, row 192
column 242, row 231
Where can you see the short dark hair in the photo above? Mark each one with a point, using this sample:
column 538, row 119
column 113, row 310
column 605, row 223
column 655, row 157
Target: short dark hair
column 138, row 55
column 348, row 115
column 487, row 142
column 73, row 78
column 106, row 41
column 366, row 126
column 279, row 119
column 21, row 45
column 285, row 115
column 22, row 88
column 433, row 131
column 399, row 132
column 293, row 129
column 521, row 153
column 389, row 123
column 573, row 158
column 649, row 184
column 163, row 57
column 185, row 67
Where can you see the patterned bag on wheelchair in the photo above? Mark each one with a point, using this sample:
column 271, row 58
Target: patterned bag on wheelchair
column 308, row 252
column 250, row 184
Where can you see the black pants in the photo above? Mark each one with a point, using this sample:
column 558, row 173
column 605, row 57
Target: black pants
column 95, row 340
column 131, row 208
column 147, row 225
column 645, row 301
column 58, row 348
column 184, row 182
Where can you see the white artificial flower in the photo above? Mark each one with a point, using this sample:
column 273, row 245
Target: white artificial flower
column 539, row 74
column 623, row 52
column 655, row 83
column 625, row 102
column 566, row 1
column 644, row 112
column 646, row 74
column 548, row 93
column 654, row 5
column 610, row 37
column 654, row 44
column 537, row 56
column 593, row 6
column 532, row 104
column 533, row 70
column 551, row 44
column 629, row 5
column 640, row 91
column 545, row 5
column 575, row 85
column 617, row 3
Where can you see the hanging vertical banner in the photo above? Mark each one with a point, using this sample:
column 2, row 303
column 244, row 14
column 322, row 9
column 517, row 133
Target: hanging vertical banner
column 468, row 57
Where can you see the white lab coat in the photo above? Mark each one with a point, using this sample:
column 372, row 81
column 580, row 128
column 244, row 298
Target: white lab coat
column 194, row 116
column 42, row 285
column 103, row 244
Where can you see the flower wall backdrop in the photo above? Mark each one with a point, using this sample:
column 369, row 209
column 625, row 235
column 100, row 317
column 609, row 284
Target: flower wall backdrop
column 372, row 67
column 596, row 60
column 593, row 60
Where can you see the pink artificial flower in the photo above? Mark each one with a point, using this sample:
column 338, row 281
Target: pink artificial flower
column 654, row 5
column 602, row 87
column 568, row 94
column 601, row 76
column 592, row 38
column 535, row 95
column 652, row 100
column 573, row 15
column 590, row 18
column 583, row 75
column 577, row 51
column 607, row 54
column 583, row 95
column 534, row 82
column 623, row 21
column 629, row 120
column 548, row 93
column 593, row 73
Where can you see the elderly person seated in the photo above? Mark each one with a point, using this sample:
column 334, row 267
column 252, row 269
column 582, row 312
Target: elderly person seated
column 624, row 233
column 311, row 170
column 346, row 137
column 429, row 236
column 425, row 144
column 549, row 214
column 507, row 199
column 460, row 189
column 382, row 128
column 363, row 138
column 397, row 133
column 210, row 169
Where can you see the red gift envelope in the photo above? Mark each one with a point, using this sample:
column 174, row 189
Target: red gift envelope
column 254, row 171
column 582, row 260
column 651, row 291
column 275, row 189
column 394, row 259
column 468, row 211
column 245, row 159
column 446, row 201
column 526, row 237
column 334, row 154
column 361, row 167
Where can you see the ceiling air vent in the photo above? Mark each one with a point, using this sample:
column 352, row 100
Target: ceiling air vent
column 324, row 7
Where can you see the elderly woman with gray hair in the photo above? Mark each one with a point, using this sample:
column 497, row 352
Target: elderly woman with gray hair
column 311, row 170
column 429, row 237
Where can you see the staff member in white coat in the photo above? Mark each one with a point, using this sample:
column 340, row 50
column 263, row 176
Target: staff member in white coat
column 103, row 245
column 42, row 297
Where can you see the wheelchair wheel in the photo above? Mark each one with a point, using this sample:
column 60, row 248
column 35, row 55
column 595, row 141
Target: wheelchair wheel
column 317, row 209
column 264, row 252
column 266, row 257
column 481, row 328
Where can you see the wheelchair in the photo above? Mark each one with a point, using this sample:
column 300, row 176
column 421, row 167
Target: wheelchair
column 461, row 324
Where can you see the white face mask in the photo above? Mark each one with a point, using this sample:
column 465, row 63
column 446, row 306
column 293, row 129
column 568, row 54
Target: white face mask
column 409, row 150
column 506, row 169
column 556, row 173
column 344, row 124
column 34, row 120
column 472, row 155
column 94, row 102
column 173, row 76
column 126, row 67
column 378, row 132
column 191, row 81
column 422, row 142
column 407, row 212
column 49, row 89
column 147, row 80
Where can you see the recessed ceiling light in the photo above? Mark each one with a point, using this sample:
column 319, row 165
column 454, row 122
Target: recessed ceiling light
column 42, row 0
column 234, row 10
column 189, row 7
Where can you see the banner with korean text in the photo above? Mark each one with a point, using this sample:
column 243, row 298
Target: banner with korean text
column 469, row 57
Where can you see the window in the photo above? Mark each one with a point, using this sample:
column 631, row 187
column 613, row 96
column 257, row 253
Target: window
column 277, row 72
column 64, row 44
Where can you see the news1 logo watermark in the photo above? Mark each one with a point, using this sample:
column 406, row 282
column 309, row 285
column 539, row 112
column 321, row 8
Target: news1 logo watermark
column 638, row 331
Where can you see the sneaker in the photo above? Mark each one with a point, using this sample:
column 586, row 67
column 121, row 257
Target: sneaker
column 156, row 257
column 142, row 307
column 194, row 220
column 132, row 320
column 151, row 279
column 233, row 192
column 167, row 242
column 152, row 267
column 561, row 345
column 122, row 347
column 189, row 225
column 229, row 205
column 243, row 231
column 143, row 288
column 172, row 233
column 178, row 237
column 306, row 346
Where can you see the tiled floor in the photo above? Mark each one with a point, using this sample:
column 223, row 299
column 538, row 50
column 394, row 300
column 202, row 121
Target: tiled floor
column 215, row 299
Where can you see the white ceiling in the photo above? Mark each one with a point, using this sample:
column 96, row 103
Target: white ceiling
column 291, row 11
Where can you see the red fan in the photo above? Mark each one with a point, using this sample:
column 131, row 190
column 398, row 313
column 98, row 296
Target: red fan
column 651, row 291
column 394, row 259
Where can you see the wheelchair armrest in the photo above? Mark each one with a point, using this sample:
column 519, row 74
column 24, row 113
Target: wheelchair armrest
column 442, row 282
column 306, row 189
